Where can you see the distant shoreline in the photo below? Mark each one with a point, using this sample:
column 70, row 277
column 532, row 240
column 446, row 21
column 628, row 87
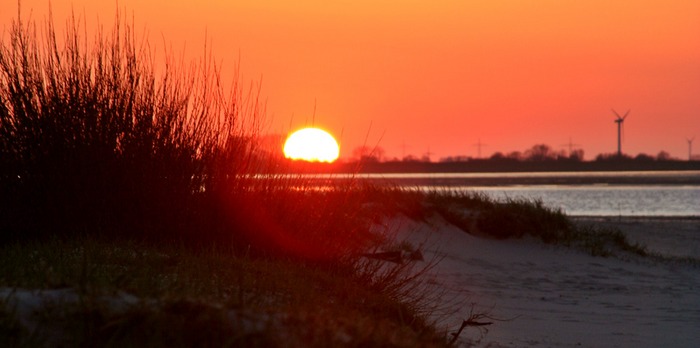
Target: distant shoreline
column 614, row 178
column 479, row 179
column 474, row 166
column 493, row 166
column 632, row 218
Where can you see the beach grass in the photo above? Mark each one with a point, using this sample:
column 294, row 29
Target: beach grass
column 481, row 215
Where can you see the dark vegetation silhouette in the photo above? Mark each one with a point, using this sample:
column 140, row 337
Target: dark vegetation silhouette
column 95, row 140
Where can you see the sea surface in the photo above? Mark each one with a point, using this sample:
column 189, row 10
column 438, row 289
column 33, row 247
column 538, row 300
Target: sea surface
column 651, row 194
column 605, row 200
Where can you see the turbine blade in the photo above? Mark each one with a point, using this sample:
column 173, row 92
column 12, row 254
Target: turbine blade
column 626, row 113
column 615, row 112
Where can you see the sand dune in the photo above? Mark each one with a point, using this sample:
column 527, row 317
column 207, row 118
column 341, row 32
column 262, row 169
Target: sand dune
column 557, row 297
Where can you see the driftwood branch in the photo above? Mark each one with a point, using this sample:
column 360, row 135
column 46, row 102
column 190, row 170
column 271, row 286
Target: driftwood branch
column 471, row 321
column 474, row 320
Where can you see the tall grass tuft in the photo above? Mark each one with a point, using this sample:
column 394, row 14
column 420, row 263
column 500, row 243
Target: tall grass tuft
column 93, row 138
column 517, row 218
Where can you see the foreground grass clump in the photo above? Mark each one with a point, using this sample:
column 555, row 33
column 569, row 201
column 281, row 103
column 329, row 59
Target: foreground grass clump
column 519, row 218
column 94, row 139
column 178, row 297
column 606, row 241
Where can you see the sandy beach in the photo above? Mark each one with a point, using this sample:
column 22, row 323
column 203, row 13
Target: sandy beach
column 552, row 296
column 536, row 295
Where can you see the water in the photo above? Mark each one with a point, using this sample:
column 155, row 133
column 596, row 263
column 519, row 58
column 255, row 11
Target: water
column 603, row 200
column 651, row 194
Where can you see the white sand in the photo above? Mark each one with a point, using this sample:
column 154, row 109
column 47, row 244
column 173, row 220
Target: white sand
column 557, row 297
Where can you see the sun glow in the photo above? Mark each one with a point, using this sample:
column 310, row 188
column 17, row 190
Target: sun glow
column 311, row 144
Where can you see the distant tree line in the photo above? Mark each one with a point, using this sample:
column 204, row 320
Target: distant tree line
column 537, row 153
column 540, row 153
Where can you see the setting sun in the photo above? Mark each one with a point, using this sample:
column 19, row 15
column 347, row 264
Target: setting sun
column 311, row 144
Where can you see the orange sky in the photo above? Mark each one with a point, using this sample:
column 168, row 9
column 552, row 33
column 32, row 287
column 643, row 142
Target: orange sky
column 440, row 75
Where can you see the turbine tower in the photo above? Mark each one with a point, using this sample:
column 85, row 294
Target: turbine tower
column 619, row 121
column 690, row 148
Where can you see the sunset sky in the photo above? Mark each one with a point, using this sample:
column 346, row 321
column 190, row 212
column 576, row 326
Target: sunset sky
column 438, row 76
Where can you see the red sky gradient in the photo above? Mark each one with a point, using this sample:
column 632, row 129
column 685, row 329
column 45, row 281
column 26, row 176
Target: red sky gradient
column 440, row 75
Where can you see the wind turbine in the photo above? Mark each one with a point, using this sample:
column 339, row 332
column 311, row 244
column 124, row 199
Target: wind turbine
column 619, row 121
column 690, row 148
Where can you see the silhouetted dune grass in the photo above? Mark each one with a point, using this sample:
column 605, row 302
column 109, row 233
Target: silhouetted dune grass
column 93, row 138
